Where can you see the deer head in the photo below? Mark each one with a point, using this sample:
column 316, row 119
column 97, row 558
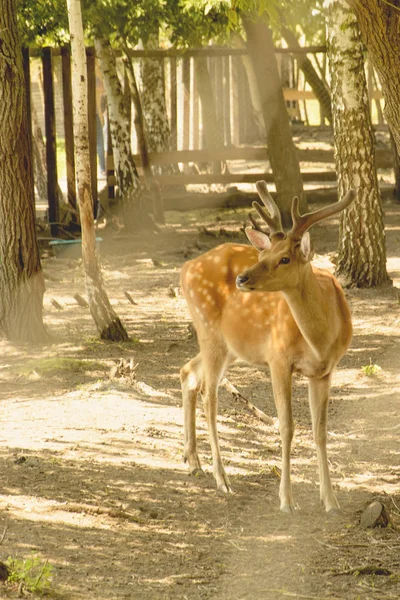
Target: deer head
column 284, row 257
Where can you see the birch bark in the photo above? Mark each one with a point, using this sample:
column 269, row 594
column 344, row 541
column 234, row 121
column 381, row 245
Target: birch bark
column 153, row 100
column 133, row 206
column 107, row 322
column 379, row 26
column 362, row 252
column 21, row 277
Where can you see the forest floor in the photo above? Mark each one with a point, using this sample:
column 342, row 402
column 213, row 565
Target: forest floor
column 93, row 482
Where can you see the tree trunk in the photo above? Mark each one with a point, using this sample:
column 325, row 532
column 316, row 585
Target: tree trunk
column 134, row 211
column 40, row 171
column 281, row 150
column 362, row 254
column 318, row 85
column 238, row 42
column 379, row 26
column 152, row 185
column 21, row 277
column 396, row 159
column 153, row 101
column 107, row 322
column 212, row 128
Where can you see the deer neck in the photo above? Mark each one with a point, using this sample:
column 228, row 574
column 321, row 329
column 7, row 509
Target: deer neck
column 310, row 309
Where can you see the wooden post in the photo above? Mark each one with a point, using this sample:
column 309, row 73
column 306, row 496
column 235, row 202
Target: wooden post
column 227, row 100
column 110, row 164
column 51, row 148
column 186, row 102
column 174, row 103
column 69, row 129
column 91, row 82
column 235, row 100
column 195, row 111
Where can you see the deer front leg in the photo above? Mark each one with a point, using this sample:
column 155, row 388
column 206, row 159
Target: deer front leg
column 319, row 397
column 214, row 364
column 282, row 387
column 191, row 376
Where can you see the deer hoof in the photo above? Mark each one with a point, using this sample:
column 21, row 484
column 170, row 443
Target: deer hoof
column 224, row 488
column 334, row 511
column 197, row 472
column 286, row 508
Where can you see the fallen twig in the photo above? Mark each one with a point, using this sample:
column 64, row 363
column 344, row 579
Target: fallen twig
column 296, row 595
column 115, row 513
column 81, row 301
column 3, row 535
column 129, row 297
column 256, row 411
column 364, row 570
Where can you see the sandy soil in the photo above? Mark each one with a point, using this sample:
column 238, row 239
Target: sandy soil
column 91, row 458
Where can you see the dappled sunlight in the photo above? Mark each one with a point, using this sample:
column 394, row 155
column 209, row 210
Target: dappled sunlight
column 92, row 463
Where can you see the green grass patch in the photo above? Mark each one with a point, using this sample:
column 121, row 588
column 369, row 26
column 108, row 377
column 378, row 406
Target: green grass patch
column 58, row 366
column 371, row 370
column 31, row 575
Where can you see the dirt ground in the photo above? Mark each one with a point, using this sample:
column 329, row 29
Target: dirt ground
column 91, row 457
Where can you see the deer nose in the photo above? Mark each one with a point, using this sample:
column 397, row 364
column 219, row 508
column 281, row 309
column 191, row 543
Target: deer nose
column 241, row 280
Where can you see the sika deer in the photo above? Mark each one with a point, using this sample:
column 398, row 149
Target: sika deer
column 267, row 306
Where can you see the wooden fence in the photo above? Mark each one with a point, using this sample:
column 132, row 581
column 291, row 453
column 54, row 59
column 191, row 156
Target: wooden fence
column 48, row 73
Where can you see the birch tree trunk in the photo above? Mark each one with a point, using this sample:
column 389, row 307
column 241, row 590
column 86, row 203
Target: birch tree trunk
column 362, row 253
column 153, row 100
column 107, row 322
column 21, row 277
column 281, row 150
column 379, row 26
column 133, row 206
column 151, row 184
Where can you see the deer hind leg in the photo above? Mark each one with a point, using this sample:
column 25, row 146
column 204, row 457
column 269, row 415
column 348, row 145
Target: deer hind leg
column 282, row 387
column 215, row 361
column 191, row 380
column 319, row 397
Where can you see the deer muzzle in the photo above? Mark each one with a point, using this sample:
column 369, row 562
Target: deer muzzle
column 241, row 281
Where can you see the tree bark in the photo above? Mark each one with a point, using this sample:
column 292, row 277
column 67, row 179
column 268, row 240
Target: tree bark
column 238, row 42
column 107, row 322
column 379, row 26
column 362, row 253
column 153, row 100
column 281, row 150
column 212, row 128
column 152, row 185
column 318, row 85
column 21, row 277
column 133, row 206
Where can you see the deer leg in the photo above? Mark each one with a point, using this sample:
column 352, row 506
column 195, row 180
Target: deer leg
column 319, row 397
column 215, row 363
column 282, row 387
column 191, row 378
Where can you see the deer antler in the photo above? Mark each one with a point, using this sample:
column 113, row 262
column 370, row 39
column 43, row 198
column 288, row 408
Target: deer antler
column 273, row 217
column 301, row 223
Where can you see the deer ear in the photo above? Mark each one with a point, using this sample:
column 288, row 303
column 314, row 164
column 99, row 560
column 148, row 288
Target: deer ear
column 306, row 246
column 259, row 240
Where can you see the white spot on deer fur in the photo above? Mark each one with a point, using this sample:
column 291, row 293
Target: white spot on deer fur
column 224, row 269
column 217, row 259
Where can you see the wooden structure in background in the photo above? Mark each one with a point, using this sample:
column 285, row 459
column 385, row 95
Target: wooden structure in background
column 243, row 140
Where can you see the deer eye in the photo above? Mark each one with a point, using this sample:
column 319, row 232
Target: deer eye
column 284, row 261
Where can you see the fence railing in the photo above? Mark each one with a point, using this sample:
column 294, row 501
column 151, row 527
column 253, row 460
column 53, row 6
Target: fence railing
column 49, row 74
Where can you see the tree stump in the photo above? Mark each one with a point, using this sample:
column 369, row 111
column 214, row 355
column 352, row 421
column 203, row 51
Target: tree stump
column 375, row 515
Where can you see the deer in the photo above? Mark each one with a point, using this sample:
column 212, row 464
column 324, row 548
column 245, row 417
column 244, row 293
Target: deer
column 268, row 305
